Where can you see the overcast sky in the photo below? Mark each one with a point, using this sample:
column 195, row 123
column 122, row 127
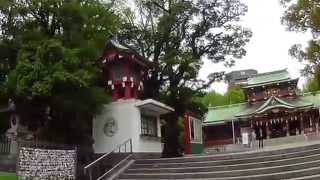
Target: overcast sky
column 268, row 48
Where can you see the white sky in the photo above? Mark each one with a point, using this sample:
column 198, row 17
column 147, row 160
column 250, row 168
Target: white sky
column 268, row 47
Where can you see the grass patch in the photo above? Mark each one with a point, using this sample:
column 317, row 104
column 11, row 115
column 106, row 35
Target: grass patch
column 8, row 176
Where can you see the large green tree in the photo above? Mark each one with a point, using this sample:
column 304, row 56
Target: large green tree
column 177, row 35
column 232, row 96
column 48, row 52
column 313, row 83
column 304, row 16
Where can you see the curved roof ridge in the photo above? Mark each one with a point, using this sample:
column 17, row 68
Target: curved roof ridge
column 283, row 101
column 241, row 70
column 227, row 105
column 270, row 72
column 266, row 104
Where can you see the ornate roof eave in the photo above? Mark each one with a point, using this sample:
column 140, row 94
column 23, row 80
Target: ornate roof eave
column 154, row 106
column 115, row 46
column 268, row 105
column 272, row 100
column 247, row 116
column 269, row 83
column 214, row 123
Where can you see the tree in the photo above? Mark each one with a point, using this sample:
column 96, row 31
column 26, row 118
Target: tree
column 304, row 16
column 177, row 35
column 313, row 84
column 49, row 63
column 214, row 99
column 236, row 95
column 232, row 96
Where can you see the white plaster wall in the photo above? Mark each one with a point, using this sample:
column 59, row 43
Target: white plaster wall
column 128, row 119
column 147, row 144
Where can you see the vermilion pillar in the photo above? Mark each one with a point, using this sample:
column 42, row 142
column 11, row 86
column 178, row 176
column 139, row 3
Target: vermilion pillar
column 187, row 134
column 127, row 92
column 115, row 95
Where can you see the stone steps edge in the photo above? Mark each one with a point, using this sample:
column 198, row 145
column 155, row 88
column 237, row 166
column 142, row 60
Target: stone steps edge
column 281, row 175
column 256, row 157
column 235, row 166
column 231, row 155
column 232, row 173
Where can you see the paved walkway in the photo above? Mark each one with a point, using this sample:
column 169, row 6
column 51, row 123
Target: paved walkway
column 266, row 148
column 288, row 145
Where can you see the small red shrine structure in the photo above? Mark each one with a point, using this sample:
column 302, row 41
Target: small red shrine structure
column 193, row 143
column 123, row 70
column 127, row 116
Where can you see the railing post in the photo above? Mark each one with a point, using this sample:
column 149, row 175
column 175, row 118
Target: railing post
column 130, row 145
column 7, row 145
column 90, row 174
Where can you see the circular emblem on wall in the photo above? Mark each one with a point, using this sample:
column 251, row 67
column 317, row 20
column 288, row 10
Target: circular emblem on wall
column 110, row 127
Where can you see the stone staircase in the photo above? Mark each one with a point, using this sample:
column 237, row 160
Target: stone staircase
column 289, row 163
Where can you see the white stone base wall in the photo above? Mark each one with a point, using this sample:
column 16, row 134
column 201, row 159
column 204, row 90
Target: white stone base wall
column 128, row 121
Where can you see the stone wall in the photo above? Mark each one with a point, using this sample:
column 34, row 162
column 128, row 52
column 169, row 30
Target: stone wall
column 46, row 163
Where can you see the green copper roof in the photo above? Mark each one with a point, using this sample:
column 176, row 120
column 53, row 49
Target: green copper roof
column 313, row 97
column 269, row 78
column 222, row 114
column 219, row 114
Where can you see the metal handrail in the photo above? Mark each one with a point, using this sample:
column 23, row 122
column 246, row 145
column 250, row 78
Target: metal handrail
column 118, row 148
column 114, row 167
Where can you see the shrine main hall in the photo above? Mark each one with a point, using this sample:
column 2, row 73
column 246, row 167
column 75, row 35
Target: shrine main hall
column 274, row 105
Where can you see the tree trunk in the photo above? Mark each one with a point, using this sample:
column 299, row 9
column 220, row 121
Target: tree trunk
column 172, row 147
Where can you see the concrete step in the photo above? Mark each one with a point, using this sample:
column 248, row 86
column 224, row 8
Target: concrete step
column 236, row 166
column 207, row 162
column 312, row 177
column 230, row 156
column 230, row 174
